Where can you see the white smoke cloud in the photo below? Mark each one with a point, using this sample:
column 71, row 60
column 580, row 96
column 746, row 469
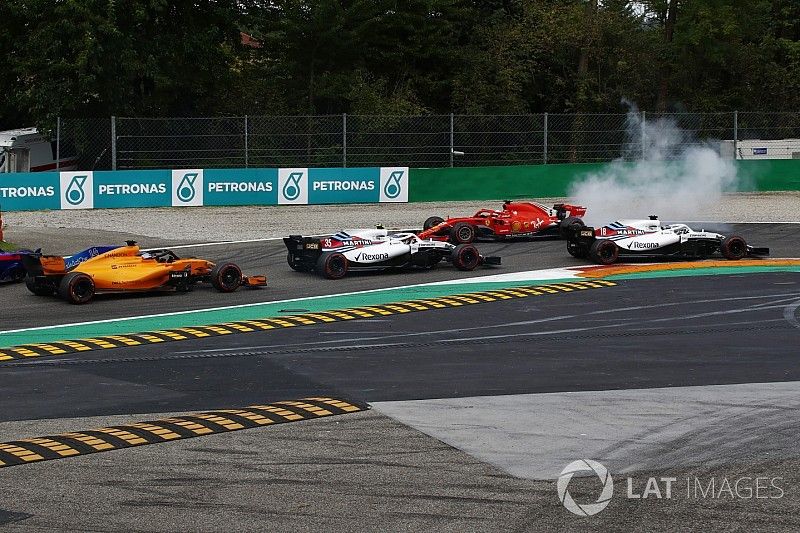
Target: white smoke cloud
column 664, row 172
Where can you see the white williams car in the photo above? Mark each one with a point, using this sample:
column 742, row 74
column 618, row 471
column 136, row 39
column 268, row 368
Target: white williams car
column 648, row 238
column 376, row 249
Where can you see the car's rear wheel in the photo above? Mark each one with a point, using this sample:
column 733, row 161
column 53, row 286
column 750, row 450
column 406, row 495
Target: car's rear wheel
column 431, row 222
column 466, row 257
column 569, row 226
column 43, row 288
column 226, row 277
column 332, row 265
column 604, row 252
column 76, row 288
column 462, row 233
column 733, row 248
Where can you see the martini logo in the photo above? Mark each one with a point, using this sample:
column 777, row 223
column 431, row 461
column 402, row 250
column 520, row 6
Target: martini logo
column 394, row 184
column 293, row 186
column 77, row 190
column 187, row 187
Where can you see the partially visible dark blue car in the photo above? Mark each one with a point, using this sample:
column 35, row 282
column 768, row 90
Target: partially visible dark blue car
column 12, row 266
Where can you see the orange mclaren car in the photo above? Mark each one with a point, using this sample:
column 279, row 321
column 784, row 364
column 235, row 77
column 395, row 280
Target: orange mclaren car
column 129, row 269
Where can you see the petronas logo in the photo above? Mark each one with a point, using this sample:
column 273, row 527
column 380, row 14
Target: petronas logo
column 75, row 195
column 291, row 189
column 392, row 189
column 186, row 190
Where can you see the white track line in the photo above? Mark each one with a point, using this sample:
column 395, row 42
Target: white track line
column 477, row 279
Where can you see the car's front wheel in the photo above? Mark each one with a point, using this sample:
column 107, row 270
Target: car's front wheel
column 733, row 248
column 226, row 277
column 466, row 257
column 431, row 222
column 462, row 233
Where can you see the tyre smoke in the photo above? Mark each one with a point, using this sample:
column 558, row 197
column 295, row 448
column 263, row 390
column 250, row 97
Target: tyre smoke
column 664, row 171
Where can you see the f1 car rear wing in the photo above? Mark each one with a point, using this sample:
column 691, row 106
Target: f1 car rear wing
column 581, row 234
column 302, row 245
column 37, row 264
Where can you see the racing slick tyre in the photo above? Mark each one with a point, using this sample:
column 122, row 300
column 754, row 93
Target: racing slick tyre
column 296, row 265
column 575, row 250
column 226, row 277
column 733, row 248
column 462, row 233
column 76, row 288
column 569, row 226
column 466, row 257
column 604, row 251
column 332, row 265
column 37, row 288
column 431, row 222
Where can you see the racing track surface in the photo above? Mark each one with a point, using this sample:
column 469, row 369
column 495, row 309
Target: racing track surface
column 270, row 257
column 640, row 334
column 670, row 376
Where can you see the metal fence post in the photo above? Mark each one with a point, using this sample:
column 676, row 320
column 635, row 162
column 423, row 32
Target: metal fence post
column 58, row 143
column 544, row 144
column 452, row 139
column 736, row 135
column 344, row 140
column 113, row 143
column 246, row 160
column 644, row 134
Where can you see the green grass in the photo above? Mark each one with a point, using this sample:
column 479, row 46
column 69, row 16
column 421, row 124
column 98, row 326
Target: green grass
column 7, row 246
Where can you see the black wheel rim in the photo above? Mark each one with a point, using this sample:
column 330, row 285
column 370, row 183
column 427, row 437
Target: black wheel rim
column 736, row 248
column 82, row 289
column 336, row 265
column 469, row 257
column 464, row 233
column 229, row 277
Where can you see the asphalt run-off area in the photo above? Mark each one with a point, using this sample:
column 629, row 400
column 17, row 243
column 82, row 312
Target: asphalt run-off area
column 433, row 399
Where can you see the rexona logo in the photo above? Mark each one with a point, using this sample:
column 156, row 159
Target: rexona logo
column 585, row 509
column 187, row 187
column 77, row 190
column 394, row 184
column 293, row 186
column 372, row 257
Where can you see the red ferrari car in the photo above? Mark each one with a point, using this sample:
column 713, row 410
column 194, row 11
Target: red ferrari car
column 517, row 219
